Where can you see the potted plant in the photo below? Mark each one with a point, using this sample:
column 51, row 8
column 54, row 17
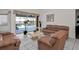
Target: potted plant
column 25, row 22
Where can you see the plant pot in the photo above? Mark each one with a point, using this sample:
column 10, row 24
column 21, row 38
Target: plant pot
column 25, row 32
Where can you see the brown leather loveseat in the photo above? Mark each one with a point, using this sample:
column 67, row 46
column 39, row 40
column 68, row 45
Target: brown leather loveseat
column 9, row 41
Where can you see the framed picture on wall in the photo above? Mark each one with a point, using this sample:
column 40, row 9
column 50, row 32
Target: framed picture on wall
column 50, row 18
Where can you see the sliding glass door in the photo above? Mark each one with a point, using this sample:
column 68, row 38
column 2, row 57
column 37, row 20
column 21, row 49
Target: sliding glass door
column 30, row 26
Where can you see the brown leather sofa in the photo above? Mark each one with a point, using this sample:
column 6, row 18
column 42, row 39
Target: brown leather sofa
column 54, row 39
column 9, row 42
column 53, row 28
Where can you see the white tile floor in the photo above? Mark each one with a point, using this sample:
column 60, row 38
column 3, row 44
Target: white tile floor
column 76, row 47
column 72, row 44
column 69, row 45
column 29, row 44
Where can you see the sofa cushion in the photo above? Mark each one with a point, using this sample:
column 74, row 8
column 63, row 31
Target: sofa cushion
column 53, row 41
column 59, row 34
column 45, row 39
column 48, row 40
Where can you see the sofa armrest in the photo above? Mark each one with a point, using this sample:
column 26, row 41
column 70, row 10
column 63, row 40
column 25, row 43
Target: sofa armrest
column 18, row 42
column 7, row 33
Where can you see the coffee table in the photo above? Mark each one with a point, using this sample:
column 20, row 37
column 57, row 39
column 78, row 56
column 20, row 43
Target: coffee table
column 36, row 35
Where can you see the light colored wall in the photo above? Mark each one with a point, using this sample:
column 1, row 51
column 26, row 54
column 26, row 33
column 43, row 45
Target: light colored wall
column 5, row 28
column 62, row 17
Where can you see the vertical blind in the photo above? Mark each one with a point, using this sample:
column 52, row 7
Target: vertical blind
column 3, row 19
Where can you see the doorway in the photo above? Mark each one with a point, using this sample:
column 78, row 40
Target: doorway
column 77, row 23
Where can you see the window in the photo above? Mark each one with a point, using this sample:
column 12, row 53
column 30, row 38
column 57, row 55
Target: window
column 3, row 19
column 30, row 26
